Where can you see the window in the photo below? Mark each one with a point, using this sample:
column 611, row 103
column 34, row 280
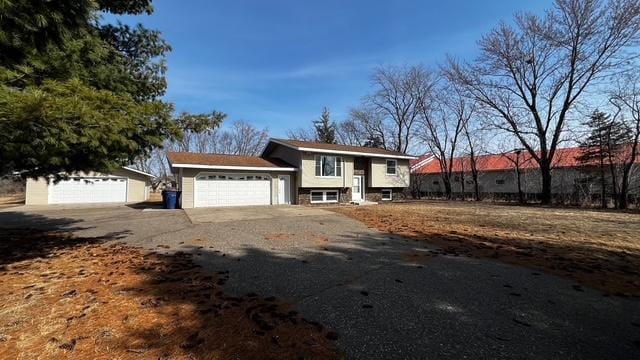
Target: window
column 324, row 196
column 328, row 166
column 387, row 195
column 391, row 167
column 499, row 181
column 436, row 182
column 456, row 178
column 317, row 196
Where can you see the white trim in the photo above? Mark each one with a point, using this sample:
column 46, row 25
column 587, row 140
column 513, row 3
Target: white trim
column 390, row 193
column 395, row 167
column 422, row 163
column 220, row 167
column 138, row 171
column 356, row 153
column 361, row 185
column 324, row 196
column 287, row 189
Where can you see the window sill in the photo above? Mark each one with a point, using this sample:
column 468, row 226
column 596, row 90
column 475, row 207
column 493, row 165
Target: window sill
column 328, row 177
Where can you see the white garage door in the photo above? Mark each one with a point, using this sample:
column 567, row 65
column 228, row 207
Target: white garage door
column 88, row 190
column 232, row 190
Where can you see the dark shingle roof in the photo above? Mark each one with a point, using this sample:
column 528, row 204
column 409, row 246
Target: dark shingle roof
column 188, row 158
column 338, row 147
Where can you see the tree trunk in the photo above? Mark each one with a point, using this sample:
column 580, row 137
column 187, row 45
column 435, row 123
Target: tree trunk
column 603, row 183
column 520, row 193
column 476, row 186
column 624, row 186
column 447, row 188
column 545, row 172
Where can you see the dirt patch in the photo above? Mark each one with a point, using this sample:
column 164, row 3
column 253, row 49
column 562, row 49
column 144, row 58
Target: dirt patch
column 278, row 237
column 599, row 249
column 85, row 300
column 418, row 257
column 319, row 240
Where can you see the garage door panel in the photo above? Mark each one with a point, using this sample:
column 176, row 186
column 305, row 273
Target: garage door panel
column 224, row 192
column 88, row 190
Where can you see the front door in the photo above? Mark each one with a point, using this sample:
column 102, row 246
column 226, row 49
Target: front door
column 284, row 189
column 356, row 189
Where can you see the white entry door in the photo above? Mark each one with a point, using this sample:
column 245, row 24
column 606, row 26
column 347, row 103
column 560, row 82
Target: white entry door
column 284, row 189
column 356, row 189
column 232, row 190
column 79, row 190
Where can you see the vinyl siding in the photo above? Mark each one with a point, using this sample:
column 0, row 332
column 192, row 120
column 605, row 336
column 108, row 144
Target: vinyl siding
column 378, row 177
column 37, row 192
column 308, row 178
column 137, row 187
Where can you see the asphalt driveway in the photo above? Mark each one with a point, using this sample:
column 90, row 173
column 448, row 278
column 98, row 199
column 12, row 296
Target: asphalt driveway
column 387, row 297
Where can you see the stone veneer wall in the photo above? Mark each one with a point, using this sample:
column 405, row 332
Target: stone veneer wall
column 375, row 194
column 304, row 196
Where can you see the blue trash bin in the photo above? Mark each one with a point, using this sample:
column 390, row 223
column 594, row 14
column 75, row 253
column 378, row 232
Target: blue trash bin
column 171, row 199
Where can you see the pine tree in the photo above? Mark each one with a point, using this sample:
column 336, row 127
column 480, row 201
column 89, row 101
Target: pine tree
column 601, row 148
column 325, row 129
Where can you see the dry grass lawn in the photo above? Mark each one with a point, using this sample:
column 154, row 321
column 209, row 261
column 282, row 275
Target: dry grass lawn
column 596, row 248
column 64, row 297
column 7, row 201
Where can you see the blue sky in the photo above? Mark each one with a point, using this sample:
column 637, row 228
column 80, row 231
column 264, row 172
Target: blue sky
column 277, row 63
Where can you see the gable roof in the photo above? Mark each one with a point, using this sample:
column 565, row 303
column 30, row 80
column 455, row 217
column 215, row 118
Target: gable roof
column 221, row 161
column 564, row 158
column 138, row 171
column 311, row 146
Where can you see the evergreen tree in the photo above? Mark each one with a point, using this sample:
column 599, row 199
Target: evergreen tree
column 78, row 95
column 601, row 147
column 325, row 129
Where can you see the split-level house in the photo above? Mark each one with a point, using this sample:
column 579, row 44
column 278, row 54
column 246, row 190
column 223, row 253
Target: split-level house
column 291, row 172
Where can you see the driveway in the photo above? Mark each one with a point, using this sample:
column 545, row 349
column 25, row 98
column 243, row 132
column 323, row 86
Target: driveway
column 387, row 297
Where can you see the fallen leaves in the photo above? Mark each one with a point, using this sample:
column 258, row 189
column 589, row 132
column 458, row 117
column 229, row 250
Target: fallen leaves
column 76, row 297
column 599, row 249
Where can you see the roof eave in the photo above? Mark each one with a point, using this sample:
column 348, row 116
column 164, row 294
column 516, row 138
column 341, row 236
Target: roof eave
column 138, row 171
column 224, row 167
column 340, row 152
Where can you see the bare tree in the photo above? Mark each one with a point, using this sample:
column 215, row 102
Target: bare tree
column 530, row 75
column 302, row 134
column 398, row 94
column 626, row 98
column 349, row 132
column 374, row 132
column 474, row 141
column 241, row 138
column 443, row 119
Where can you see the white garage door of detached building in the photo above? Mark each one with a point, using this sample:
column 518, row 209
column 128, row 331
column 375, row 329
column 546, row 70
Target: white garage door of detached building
column 232, row 190
column 88, row 190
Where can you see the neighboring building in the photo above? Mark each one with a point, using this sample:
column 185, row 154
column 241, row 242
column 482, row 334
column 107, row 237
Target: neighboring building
column 291, row 172
column 125, row 185
column 498, row 174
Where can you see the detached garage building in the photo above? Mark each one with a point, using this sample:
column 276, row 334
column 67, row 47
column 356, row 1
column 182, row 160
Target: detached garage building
column 125, row 185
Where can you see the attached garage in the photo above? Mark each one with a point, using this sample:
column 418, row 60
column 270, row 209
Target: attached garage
column 214, row 180
column 125, row 185
column 232, row 190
